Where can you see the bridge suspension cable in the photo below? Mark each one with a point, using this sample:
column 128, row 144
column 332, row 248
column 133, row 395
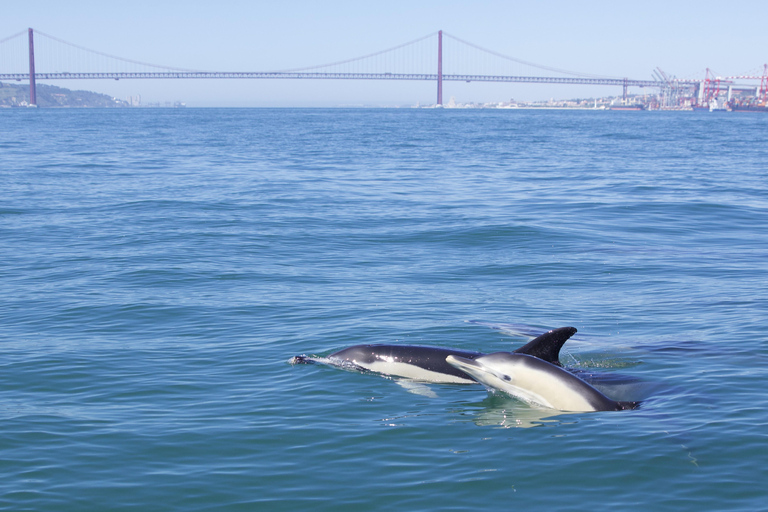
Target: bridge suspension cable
column 11, row 37
column 363, row 57
column 13, row 53
column 523, row 62
column 62, row 57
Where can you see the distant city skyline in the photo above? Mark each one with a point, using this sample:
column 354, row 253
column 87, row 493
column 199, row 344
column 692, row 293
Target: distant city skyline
column 601, row 38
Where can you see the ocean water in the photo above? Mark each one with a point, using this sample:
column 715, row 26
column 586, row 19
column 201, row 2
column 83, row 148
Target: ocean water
column 159, row 268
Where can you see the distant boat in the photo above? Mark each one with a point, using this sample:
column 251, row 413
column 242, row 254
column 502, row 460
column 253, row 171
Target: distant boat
column 634, row 106
column 715, row 107
column 749, row 107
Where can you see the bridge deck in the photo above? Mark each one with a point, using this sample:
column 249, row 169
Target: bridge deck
column 343, row 76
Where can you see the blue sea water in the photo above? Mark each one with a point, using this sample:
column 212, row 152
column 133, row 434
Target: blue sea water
column 158, row 269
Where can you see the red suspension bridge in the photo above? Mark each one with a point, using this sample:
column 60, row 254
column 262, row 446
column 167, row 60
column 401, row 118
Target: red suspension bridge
column 437, row 57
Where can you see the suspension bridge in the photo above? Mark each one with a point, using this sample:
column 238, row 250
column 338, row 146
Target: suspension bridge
column 438, row 57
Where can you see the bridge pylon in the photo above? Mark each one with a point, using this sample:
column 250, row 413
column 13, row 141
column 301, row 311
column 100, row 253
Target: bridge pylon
column 440, row 67
column 32, row 85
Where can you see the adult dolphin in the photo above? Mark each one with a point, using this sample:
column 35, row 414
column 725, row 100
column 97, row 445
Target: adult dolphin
column 536, row 381
column 429, row 363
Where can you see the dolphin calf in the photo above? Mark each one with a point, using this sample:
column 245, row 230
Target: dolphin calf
column 536, row 381
column 429, row 363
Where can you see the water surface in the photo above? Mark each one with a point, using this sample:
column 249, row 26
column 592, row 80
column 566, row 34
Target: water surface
column 158, row 268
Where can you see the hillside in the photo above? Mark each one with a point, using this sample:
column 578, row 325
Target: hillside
column 17, row 95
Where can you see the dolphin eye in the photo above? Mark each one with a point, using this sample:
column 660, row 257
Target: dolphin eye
column 507, row 378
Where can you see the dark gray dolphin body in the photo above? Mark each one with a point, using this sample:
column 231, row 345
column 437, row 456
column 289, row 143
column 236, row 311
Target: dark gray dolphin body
column 429, row 363
column 536, row 381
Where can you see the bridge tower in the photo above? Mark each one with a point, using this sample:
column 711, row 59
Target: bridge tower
column 440, row 67
column 32, row 85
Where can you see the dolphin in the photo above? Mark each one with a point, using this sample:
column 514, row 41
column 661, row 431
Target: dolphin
column 429, row 363
column 536, row 381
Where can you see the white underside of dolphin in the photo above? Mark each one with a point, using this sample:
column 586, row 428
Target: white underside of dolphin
column 411, row 371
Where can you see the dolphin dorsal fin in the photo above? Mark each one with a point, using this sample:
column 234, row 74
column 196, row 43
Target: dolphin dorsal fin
column 548, row 345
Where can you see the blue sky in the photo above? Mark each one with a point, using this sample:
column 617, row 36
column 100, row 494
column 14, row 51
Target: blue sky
column 596, row 37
